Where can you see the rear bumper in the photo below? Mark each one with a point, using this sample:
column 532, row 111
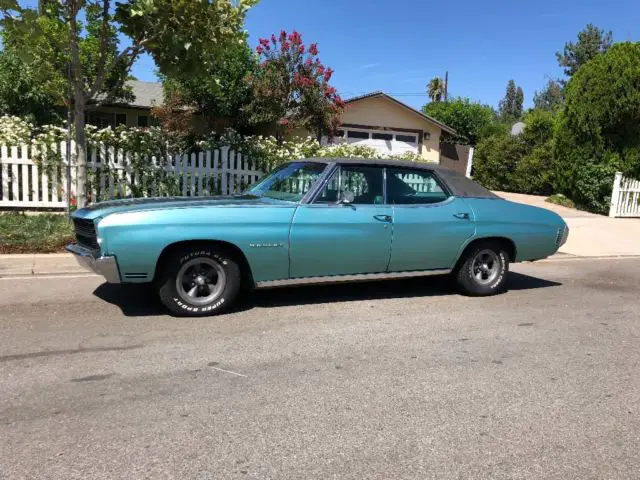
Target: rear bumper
column 89, row 259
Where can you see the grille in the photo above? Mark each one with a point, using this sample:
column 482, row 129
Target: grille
column 86, row 232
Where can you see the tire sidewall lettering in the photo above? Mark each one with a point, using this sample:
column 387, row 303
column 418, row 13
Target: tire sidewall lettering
column 185, row 306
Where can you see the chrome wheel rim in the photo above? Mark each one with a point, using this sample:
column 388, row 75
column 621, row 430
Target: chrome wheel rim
column 485, row 267
column 200, row 281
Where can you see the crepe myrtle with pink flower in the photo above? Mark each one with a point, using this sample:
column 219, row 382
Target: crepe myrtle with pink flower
column 291, row 87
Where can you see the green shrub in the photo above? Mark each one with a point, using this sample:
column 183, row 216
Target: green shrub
column 45, row 233
column 560, row 199
column 495, row 161
column 599, row 128
column 533, row 174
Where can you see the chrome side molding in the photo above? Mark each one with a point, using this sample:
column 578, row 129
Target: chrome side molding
column 362, row 277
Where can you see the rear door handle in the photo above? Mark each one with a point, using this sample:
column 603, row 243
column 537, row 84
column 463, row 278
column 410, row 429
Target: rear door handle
column 383, row 218
column 462, row 215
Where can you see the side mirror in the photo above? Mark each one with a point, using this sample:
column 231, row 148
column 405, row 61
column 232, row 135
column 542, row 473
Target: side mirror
column 346, row 197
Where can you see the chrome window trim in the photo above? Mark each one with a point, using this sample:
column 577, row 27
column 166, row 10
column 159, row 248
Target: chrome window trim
column 319, row 184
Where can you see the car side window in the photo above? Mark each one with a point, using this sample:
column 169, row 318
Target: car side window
column 413, row 187
column 362, row 184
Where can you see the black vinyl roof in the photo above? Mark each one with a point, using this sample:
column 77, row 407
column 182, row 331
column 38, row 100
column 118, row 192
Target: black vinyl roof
column 459, row 185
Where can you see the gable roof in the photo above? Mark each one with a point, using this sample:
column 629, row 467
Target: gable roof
column 380, row 94
column 147, row 94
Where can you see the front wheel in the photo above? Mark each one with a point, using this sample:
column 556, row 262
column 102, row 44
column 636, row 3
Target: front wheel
column 198, row 281
column 483, row 270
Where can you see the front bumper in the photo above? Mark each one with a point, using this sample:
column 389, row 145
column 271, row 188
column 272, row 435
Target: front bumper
column 89, row 259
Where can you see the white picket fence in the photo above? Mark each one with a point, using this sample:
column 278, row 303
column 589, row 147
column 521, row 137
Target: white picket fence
column 25, row 184
column 625, row 198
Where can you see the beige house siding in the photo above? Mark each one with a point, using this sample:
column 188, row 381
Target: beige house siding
column 380, row 112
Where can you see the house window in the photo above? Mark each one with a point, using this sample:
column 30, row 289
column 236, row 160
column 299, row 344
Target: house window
column 356, row 134
column 406, row 138
column 382, row 136
column 143, row 121
column 106, row 119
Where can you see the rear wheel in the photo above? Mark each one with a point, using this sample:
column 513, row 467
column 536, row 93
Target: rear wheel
column 199, row 280
column 483, row 270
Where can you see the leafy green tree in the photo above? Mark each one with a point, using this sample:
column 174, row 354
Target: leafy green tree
column 511, row 106
column 435, row 89
column 520, row 163
column 551, row 97
column 591, row 42
column 23, row 94
column 469, row 119
column 219, row 91
column 74, row 42
column 291, row 87
column 599, row 128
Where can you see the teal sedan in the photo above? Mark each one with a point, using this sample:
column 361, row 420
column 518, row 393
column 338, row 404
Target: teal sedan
column 313, row 221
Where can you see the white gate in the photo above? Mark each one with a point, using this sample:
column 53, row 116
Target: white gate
column 625, row 198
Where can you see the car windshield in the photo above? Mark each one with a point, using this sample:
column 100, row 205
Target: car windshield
column 289, row 182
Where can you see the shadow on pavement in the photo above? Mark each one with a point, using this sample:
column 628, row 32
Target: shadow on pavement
column 139, row 300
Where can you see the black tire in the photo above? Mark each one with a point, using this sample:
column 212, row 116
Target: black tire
column 483, row 269
column 210, row 263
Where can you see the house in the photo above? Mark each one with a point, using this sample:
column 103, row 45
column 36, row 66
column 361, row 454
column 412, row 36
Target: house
column 135, row 114
column 390, row 126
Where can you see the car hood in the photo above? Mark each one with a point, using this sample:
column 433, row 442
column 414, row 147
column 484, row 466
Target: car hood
column 102, row 209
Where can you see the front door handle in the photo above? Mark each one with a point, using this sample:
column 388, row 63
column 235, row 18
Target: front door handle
column 462, row 215
column 383, row 218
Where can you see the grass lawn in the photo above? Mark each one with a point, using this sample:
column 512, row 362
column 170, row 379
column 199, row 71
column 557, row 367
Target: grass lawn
column 44, row 233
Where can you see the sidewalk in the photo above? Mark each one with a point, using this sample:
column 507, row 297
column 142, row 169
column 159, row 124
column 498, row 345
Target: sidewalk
column 590, row 235
column 39, row 264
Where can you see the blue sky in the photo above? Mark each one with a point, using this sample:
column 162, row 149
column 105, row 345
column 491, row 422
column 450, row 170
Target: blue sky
column 398, row 46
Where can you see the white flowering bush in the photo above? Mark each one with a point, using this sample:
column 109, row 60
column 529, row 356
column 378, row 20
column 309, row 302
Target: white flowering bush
column 14, row 130
column 141, row 145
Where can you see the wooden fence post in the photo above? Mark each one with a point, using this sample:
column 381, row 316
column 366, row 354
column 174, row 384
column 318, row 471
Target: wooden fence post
column 615, row 195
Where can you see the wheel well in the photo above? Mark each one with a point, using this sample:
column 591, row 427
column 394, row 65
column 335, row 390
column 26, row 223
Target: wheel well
column 234, row 250
column 507, row 244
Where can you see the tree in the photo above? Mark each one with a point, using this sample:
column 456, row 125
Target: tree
column 291, row 87
column 220, row 91
column 469, row 119
column 75, row 42
column 591, row 42
column 551, row 97
column 511, row 106
column 521, row 163
column 435, row 89
column 23, row 94
column 599, row 128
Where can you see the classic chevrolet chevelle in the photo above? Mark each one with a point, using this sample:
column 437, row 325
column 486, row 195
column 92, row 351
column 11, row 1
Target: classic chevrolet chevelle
column 320, row 220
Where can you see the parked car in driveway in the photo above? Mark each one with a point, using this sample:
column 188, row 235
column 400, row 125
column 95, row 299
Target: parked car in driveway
column 311, row 221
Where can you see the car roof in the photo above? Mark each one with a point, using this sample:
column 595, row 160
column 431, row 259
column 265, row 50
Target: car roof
column 459, row 185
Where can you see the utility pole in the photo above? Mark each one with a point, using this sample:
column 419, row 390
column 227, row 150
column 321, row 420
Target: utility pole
column 446, row 85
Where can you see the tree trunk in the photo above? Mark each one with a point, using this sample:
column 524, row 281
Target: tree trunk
column 81, row 151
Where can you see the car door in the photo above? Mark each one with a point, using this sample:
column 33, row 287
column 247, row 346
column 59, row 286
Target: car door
column 429, row 225
column 346, row 229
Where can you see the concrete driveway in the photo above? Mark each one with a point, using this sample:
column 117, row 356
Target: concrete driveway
column 385, row 380
column 591, row 235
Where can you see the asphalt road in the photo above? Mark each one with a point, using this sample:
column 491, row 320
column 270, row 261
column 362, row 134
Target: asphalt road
column 384, row 380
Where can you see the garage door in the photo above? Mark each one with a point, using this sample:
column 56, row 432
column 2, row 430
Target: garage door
column 388, row 142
